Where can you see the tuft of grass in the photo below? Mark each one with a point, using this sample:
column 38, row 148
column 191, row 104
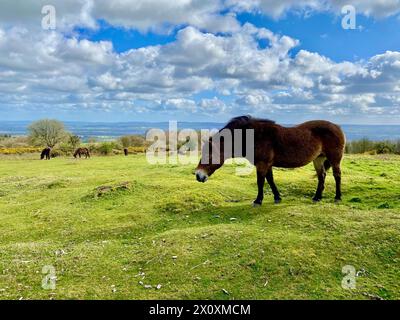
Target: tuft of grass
column 114, row 226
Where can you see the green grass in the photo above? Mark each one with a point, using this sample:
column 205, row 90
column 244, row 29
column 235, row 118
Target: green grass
column 157, row 225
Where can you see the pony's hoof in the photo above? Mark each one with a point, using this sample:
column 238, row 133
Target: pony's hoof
column 315, row 200
column 256, row 204
column 338, row 200
column 277, row 201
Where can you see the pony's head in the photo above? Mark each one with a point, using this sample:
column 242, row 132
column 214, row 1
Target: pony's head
column 220, row 147
column 213, row 154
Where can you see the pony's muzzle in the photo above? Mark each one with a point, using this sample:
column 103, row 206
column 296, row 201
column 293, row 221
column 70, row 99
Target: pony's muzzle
column 201, row 176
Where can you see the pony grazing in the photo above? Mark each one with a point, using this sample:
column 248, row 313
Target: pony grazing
column 45, row 153
column 82, row 151
column 275, row 146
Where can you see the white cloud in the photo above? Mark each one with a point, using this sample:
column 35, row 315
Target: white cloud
column 181, row 104
column 156, row 15
column 375, row 8
column 275, row 8
column 56, row 70
column 165, row 15
column 41, row 65
column 278, row 8
column 213, row 105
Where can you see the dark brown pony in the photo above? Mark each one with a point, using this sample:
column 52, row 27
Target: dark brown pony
column 286, row 147
column 45, row 153
column 82, row 151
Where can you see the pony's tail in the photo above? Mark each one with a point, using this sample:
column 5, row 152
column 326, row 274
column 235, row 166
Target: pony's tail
column 327, row 166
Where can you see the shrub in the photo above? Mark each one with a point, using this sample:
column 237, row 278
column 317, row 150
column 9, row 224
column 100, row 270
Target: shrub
column 360, row 146
column 133, row 141
column 370, row 147
column 74, row 141
column 14, row 142
column 66, row 149
column 55, row 153
column 106, row 148
column 385, row 147
column 397, row 147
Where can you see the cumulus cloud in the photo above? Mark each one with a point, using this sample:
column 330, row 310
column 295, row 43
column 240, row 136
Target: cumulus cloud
column 144, row 15
column 40, row 66
column 275, row 8
column 54, row 69
column 374, row 8
column 278, row 8
column 164, row 15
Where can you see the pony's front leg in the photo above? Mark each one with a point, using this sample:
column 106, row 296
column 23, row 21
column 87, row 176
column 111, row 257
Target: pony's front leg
column 261, row 175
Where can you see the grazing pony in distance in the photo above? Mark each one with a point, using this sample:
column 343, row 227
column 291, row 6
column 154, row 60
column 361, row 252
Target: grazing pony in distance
column 45, row 153
column 126, row 152
column 286, row 147
column 82, row 151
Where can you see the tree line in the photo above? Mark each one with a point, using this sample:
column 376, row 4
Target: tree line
column 53, row 134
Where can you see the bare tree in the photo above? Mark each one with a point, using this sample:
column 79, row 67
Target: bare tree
column 48, row 132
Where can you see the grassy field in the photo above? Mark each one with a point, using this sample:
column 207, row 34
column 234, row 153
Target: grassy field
column 119, row 228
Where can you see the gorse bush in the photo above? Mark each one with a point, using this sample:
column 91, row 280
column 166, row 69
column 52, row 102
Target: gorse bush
column 20, row 150
column 136, row 150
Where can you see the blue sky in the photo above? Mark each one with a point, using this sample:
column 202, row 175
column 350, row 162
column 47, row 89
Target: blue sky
column 319, row 32
column 202, row 61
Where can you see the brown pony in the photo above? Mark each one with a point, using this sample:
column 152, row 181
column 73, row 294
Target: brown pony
column 82, row 151
column 45, row 153
column 286, row 147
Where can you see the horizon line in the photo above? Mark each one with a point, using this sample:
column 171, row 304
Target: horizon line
column 181, row 121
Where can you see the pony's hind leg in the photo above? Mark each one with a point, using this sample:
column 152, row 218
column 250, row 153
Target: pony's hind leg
column 270, row 179
column 337, row 174
column 320, row 165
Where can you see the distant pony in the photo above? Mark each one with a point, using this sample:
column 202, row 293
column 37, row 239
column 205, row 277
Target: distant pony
column 126, row 151
column 82, row 151
column 45, row 153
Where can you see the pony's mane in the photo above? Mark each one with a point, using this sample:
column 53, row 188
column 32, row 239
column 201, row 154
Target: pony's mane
column 245, row 121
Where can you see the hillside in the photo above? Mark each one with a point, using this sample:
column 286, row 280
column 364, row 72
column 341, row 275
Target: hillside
column 113, row 226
